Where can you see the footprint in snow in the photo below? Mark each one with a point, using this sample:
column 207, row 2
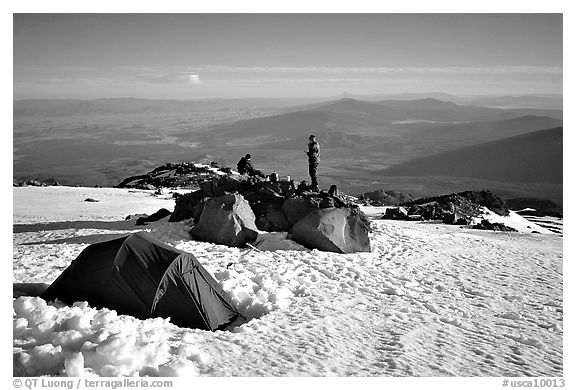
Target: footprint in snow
column 393, row 291
column 431, row 307
column 474, row 293
column 528, row 341
column 510, row 316
column 512, row 298
column 453, row 321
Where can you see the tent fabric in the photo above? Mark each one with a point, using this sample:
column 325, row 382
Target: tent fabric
column 140, row 276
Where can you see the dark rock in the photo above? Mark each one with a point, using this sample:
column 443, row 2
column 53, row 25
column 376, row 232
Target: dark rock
column 158, row 215
column 263, row 224
column 34, row 183
column 131, row 181
column 91, row 200
column 431, row 211
column 456, row 219
column 198, row 209
column 487, row 225
column 487, row 199
column 51, row 182
column 171, row 175
column 185, row 205
column 273, row 221
column 223, row 185
column 135, row 216
column 466, row 204
column 297, row 208
column 341, row 230
column 277, row 188
column 226, row 220
column 396, row 213
column 327, row 202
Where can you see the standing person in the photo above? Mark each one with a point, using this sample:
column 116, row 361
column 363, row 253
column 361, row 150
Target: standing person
column 313, row 160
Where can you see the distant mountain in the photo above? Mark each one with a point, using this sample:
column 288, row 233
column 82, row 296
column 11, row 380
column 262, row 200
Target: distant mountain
column 428, row 109
column 72, row 107
column 557, row 114
column 433, row 101
column 376, row 107
column 423, row 126
column 535, row 157
column 551, row 102
column 539, row 101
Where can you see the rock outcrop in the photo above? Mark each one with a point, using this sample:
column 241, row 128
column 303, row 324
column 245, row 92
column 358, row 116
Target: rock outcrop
column 276, row 206
column 454, row 209
column 35, row 182
column 386, row 198
column 228, row 208
column 487, row 225
column 183, row 175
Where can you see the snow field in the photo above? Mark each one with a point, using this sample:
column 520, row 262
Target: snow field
column 81, row 341
column 429, row 300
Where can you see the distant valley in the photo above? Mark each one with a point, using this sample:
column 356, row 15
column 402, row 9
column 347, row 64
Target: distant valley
column 417, row 145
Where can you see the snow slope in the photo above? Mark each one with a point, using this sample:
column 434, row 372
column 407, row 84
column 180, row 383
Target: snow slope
column 429, row 300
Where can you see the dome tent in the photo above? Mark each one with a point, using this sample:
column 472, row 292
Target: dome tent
column 140, row 276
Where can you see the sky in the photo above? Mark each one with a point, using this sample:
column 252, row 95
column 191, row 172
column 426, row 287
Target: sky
column 195, row 56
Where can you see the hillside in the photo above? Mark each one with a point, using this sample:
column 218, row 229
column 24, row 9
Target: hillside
column 360, row 124
column 535, row 157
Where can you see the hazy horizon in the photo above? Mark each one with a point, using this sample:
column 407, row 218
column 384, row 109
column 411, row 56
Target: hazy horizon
column 318, row 97
column 205, row 56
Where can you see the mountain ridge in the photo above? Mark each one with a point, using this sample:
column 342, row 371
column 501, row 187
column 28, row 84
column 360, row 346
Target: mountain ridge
column 534, row 157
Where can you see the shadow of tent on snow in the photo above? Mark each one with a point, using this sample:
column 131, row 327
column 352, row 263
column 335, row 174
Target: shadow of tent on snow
column 140, row 276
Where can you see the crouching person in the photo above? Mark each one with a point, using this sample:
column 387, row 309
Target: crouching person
column 245, row 167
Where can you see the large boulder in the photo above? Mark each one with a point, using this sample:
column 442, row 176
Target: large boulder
column 396, row 213
column 186, row 205
column 226, row 220
column 341, row 230
column 456, row 219
column 297, row 208
column 273, row 221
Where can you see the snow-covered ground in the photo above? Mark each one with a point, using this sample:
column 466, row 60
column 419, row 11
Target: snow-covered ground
column 429, row 300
